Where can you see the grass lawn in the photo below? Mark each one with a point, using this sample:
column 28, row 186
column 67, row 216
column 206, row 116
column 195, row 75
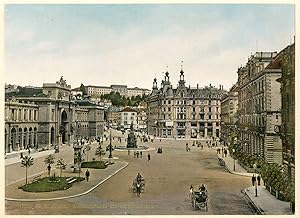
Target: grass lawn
column 94, row 164
column 48, row 185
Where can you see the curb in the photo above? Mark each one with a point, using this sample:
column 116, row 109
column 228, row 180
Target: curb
column 234, row 173
column 72, row 196
column 257, row 209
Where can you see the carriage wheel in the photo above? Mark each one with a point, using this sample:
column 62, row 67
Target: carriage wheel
column 194, row 204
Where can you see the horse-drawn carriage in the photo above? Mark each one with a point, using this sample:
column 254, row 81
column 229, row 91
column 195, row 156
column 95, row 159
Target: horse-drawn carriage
column 138, row 186
column 199, row 199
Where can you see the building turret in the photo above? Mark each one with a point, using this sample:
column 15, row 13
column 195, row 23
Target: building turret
column 154, row 84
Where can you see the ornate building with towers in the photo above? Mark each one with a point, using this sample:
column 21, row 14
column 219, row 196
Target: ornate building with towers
column 49, row 118
column 184, row 112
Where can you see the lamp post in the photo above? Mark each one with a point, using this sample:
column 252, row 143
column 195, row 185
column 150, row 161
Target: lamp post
column 110, row 145
column 233, row 150
column 254, row 167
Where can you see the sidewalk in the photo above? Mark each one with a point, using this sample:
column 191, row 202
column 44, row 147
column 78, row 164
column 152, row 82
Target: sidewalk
column 35, row 154
column 12, row 193
column 265, row 203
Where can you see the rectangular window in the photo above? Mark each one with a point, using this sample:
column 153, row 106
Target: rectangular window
column 52, row 115
column 12, row 114
column 20, row 114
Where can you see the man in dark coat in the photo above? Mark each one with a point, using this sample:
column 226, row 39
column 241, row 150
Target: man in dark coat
column 253, row 180
column 258, row 179
column 87, row 175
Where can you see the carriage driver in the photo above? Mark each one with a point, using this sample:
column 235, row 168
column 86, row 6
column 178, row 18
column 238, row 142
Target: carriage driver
column 139, row 177
column 202, row 188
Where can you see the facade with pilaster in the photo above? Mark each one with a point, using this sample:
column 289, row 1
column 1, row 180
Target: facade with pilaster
column 286, row 61
column 260, row 107
column 229, row 116
column 184, row 112
column 50, row 118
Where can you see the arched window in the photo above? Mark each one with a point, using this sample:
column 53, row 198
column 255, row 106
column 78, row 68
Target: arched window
column 30, row 137
column 35, row 136
column 20, row 138
column 13, row 138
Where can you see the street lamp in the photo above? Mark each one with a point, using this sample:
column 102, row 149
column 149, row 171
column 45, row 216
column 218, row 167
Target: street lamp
column 233, row 150
column 110, row 145
column 254, row 167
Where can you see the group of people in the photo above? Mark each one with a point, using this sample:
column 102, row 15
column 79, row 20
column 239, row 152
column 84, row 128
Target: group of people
column 202, row 188
column 137, row 154
column 224, row 151
column 254, row 179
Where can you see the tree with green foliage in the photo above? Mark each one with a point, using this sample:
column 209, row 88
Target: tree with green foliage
column 100, row 152
column 82, row 88
column 49, row 161
column 61, row 165
column 26, row 162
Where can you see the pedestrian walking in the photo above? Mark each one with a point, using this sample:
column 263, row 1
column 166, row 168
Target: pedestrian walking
column 134, row 154
column 258, row 180
column 87, row 175
column 141, row 154
column 253, row 180
column 225, row 152
column 137, row 154
column 148, row 157
column 128, row 152
column 21, row 155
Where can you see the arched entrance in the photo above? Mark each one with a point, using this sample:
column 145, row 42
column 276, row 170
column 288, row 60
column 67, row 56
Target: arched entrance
column 30, row 138
column 13, row 139
column 52, row 136
column 63, row 127
column 25, row 138
column 35, row 137
column 20, row 138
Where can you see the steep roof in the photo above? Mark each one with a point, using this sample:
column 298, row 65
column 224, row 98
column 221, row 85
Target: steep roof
column 128, row 109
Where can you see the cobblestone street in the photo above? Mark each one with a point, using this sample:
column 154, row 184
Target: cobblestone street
column 168, row 177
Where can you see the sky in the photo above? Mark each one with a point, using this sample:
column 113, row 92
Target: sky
column 131, row 44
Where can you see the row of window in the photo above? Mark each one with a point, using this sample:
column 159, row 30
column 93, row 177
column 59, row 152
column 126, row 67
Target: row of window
column 183, row 109
column 23, row 114
column 132, row 114
column 252, row 120
column 193, row 116
column 252, row 89
column 193, row 102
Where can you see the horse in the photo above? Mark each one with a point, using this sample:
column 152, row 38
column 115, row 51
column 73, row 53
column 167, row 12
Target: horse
column 138, row 189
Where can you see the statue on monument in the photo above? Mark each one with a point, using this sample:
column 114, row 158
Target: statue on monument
column 131, row 139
